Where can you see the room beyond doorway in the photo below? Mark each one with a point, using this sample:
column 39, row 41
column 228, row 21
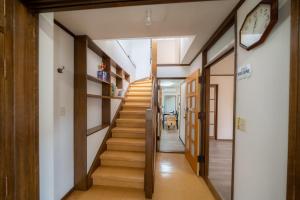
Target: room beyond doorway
column 171, row 132
column 221, row 125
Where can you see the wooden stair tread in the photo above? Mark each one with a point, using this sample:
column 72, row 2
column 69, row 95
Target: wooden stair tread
column 126, row 141
column 136, row 104
column 119, row 174
column 131, row 120
column 124, row 129
column 123, row 156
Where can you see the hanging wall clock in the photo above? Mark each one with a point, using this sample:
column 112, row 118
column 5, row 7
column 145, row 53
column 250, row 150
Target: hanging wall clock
column 258, row 24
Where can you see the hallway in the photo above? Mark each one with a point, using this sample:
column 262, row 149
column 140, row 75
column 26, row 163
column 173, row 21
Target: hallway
column 175, row 180
column 170, row 142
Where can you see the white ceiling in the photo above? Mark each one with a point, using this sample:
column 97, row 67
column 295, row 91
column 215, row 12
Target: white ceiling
column 168, row 20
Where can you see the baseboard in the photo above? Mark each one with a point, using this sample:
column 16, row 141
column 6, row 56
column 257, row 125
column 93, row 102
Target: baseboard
column 68, row 194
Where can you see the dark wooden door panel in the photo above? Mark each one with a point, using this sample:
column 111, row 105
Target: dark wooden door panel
column 2, row 135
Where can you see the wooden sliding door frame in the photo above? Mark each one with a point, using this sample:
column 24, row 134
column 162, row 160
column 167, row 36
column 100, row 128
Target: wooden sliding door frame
column 293, row 174
column 206, row 99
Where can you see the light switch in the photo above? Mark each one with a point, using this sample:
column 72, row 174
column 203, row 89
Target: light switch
column 241, row 124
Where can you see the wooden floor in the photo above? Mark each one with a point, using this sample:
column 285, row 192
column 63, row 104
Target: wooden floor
column 170, row 141
column 174, row 178
column 220, row 166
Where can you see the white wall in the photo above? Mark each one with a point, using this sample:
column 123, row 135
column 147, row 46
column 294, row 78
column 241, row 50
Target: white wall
column 225, row 105
column 173, row 71
column 225, row 95
column 196, row 64
column 46, row 106
column 113, row 49
column 168, row 51
column 185, row 44
column 224, row 43
column 63, row 113
column 139, row 51
column 263, row 101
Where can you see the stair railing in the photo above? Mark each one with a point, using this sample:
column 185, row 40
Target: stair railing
column 150, row 146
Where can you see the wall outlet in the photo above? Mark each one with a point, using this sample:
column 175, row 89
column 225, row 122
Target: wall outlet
column 241, row 124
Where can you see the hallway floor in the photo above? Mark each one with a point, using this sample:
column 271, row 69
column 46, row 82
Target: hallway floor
column 220, row 166
column 175, row 180
column 170, row 141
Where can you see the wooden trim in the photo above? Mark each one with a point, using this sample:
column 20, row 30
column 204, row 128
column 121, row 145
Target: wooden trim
column 25, row 135
column 234, row 106
column 173, row 65
column 80, row 113
column 67, row 195
column 220, row 57
column 93, row 130
column 103, row 97
column 66, row 5
column 293, row 174
column 226, row 24
column 64, row 28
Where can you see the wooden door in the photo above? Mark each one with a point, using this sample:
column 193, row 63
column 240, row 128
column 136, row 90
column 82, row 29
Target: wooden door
column 192, row 125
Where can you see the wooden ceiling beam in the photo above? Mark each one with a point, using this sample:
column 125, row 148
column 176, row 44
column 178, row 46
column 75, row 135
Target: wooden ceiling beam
column 66, row 5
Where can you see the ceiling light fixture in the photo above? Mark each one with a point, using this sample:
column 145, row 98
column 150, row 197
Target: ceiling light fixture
column 148, row 20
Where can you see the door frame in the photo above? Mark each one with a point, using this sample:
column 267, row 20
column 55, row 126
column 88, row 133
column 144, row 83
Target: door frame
column 293, row 173
column 207, row 76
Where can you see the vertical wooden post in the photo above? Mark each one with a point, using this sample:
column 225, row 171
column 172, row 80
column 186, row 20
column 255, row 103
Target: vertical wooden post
column 80, row 114
column 154, row 58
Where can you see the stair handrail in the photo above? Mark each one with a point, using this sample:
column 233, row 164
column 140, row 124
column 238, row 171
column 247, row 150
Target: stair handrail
column 150, row 145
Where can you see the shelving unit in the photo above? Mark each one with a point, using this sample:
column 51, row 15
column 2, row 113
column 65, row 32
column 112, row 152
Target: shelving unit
column 81, row 132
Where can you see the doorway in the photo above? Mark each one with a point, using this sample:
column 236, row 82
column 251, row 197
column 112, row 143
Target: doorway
column 171, row 137
column 221, row 124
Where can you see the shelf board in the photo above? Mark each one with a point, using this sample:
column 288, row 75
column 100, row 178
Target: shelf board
column 95, row 79
column 96, row 129
column 116, row 75
column 103, row 97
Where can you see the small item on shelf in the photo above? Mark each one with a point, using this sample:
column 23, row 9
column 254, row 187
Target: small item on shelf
column 113, row 89
column 101, row 72
column 120, row 92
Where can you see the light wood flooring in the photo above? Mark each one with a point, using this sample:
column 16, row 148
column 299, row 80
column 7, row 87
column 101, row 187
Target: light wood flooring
column 170, row 141
column 220, row 166
column 174, row 178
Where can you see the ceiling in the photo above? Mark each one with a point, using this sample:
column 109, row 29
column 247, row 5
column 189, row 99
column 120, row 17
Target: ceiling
column 168, row 20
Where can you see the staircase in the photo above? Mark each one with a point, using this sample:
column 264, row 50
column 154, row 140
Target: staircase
column 123, row 163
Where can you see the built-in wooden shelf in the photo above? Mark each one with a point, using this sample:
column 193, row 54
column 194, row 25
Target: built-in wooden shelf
column 95, row 79
column 127, row 77
column 96, row 129
column 116, row 75
column 103, row 97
